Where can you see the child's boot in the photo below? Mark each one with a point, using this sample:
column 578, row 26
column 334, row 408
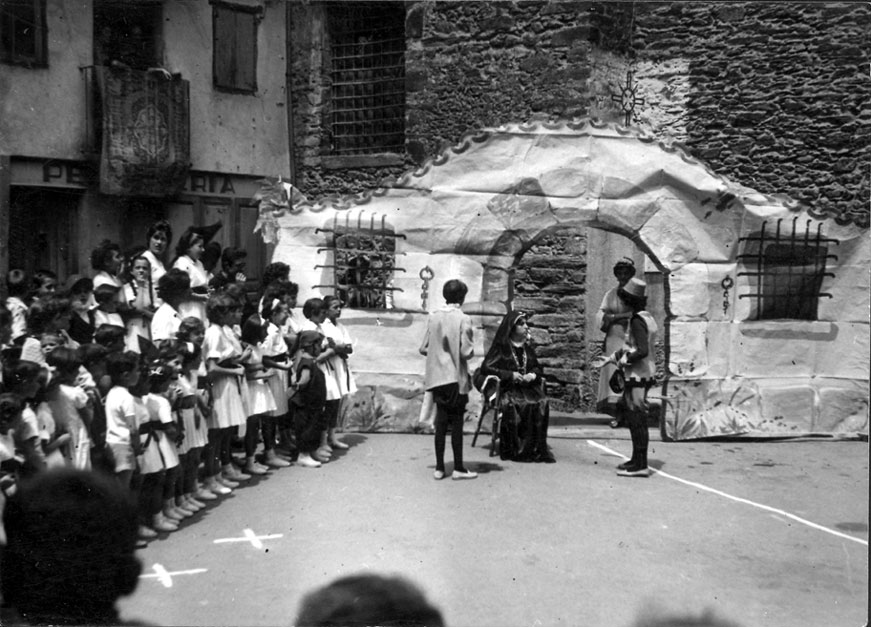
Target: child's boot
column 307, row 461
column 335, row 442
column 252, row 467
column 163, row 524
column 216, row 484
column 203, row 493
column 272, row 460
column 234, row 474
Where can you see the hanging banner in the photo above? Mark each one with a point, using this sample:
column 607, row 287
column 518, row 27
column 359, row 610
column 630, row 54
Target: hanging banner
column 146, row 133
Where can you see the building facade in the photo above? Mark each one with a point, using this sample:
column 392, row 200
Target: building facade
column 114, row 114
column 773, row 96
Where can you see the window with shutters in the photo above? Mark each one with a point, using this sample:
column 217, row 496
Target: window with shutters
column 23, row 31
column 234, row 46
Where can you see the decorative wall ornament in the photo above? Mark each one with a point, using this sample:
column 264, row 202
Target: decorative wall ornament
column 275, row 198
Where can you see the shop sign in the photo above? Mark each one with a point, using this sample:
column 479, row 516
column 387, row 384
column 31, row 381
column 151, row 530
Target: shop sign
column 216, row 184
column 52, row 173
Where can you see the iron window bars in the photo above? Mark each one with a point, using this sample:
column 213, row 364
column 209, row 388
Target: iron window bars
column 364, row 262
column 367, row 74
column 789, row 269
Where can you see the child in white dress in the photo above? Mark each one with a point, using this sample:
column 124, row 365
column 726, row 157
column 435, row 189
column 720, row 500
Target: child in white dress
column 224, row 356
column 261, row 402
column 71, row 406
column 276, row 357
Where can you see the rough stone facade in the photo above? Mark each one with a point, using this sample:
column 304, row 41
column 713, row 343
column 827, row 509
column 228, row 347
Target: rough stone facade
column 773, row 95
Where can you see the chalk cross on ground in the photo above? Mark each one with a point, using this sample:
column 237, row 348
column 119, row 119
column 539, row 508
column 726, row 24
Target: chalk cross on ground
column 250, row 536
column 165, row 577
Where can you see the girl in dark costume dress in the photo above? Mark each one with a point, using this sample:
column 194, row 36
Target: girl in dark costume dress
column 511, row 358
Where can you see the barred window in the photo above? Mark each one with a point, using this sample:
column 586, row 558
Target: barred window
column 786, row 270
column 234, row 46
column 367, row 74
column 23, row 30
column 364, row 261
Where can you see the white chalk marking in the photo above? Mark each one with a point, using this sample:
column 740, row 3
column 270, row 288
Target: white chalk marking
column 165, row 577
column 250, row 536
column 738, row 499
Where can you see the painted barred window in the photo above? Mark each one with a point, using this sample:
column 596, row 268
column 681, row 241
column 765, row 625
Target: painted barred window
column 364, row 260
column 367, row 77
column 23, row 33
column 787, row 268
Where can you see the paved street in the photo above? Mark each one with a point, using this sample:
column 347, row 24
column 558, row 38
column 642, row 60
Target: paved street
column 764, row 533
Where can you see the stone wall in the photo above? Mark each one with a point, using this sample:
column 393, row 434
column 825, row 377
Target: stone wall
column 774, row 95
column 550, row 282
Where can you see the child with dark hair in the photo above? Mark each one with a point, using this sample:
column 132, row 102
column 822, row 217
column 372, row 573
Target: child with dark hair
column 315, row 311
column 368, row 599
column 69, row 556
column 261, row 402
column 340, row 341
column 93, row 358
column 275, row 271
column 16, row 297
column 70, row 406
column 51, row 315
column 165, row 432
column 224, row 356
column 158, row 236
column 106, row 311
column 310, row 397
column 82, row 320
column 188, row 252
column 111, row 337
column 44, row 284
column 22, row 379
column 275, row 356
column 448, row 345
column 173, row 289
column 122, row 437
column 140, row 295
column 195, row 432
column 107, row 261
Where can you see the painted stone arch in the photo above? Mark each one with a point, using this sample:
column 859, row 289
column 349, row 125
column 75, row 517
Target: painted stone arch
column 472, row 209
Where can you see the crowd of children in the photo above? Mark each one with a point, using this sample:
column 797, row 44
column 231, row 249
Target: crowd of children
column 161, row 377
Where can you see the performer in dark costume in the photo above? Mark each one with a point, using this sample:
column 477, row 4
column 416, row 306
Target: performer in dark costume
column 512, row 359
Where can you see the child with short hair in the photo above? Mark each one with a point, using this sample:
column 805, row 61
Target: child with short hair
column 315, row 311
column 141, row 299
column 93, row 358
column 224, row 356
column 70, row 550
column 172, row 288
column 261, row 402
column 106, row 311
column 71, row 406
column 275, row 356
column 122, row 436
column 107, row 261
column 44, row 285
column 166, row 433
column 82, row 321
column 22, row 378
column 310, row 397
column 193, row 425
column 111, row 337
